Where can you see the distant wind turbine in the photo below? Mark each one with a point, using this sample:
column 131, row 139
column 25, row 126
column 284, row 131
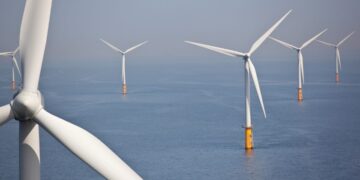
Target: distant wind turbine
column 27, row 107
column 14, row 64
column 300, row 59
column 123, row 53
column 249, row 70
column 337, row 54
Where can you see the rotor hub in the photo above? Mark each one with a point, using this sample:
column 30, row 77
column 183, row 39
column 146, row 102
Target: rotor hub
column 247, row 56
column 26, row 104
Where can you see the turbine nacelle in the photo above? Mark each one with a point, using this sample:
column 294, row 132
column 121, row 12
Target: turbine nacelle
column 246, row 56
column 26, row 105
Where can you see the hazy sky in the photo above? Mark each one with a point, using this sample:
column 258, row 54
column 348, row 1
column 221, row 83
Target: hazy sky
column 77, row 25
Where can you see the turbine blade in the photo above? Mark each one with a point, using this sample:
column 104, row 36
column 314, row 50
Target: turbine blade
column 283, row 43
column 112, row 46
column 5, row 53
column 86, row 146
column 29, row 150
column 257, row 85
column 312, row 39
column 33, row 37
column 326, row 43
column 227, row 52
column 16, row 50
column 347, row 37
column 17, row 66
column 267, row 34
column 6, row 114
column 134, row 47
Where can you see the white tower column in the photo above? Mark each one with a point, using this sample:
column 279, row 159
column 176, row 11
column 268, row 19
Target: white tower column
column 249, row 143
column 13, row 83
column 123, row 75
column 123, row 70
column 247, row 95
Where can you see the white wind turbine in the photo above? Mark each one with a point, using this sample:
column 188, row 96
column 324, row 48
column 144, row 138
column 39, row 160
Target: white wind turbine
column 337, row 53
column 27, row 107
column 300, row 59
column 14, row 64
column 249, row 70
column 123, row 67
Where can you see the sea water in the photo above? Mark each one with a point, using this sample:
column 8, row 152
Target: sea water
column 184, row 119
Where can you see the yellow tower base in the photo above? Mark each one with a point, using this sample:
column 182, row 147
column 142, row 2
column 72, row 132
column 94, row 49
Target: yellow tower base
column 337, row 77
column 124, row 89
column 249, row 143
column 300, row 94
column 13, row 85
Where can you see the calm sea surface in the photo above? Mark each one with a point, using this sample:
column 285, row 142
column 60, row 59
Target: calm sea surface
column 183, row 119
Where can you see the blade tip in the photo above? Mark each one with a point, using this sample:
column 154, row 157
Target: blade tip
column 102, row 40
column 289, row 12
column 190, row 42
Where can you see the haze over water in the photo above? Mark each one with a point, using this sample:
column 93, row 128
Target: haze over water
column 183, row 119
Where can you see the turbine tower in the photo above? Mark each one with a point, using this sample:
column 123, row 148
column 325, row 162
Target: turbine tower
column 249, row 71
column 337, row 54
column 27, row 106
column 300, row 59
column 123, row 53
column 14, row 64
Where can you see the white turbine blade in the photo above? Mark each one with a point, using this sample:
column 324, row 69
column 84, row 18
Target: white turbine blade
column 257, row 85
column 86, row 146
column 227, row 52
column 134, row 47
column 326, row 43
column 16, row 50
column 267, row 34
column 17, row 66
column 112, row 46
column 5, row 53
column 33, row 37
column 6, row 114
column 347, row 37
column 338, row 57
column 283, row 43
column 312, row 39
column 29, row 151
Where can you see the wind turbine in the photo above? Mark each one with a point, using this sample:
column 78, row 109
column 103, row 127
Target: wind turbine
column 337, row 54
column 123, row 53
column 300, row 59
column 249, row 70
column 27, row 106
column 14, row 63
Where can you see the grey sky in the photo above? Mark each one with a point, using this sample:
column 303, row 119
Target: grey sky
column 76, row 26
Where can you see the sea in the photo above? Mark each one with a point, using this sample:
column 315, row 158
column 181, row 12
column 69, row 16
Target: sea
column 183, row 119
